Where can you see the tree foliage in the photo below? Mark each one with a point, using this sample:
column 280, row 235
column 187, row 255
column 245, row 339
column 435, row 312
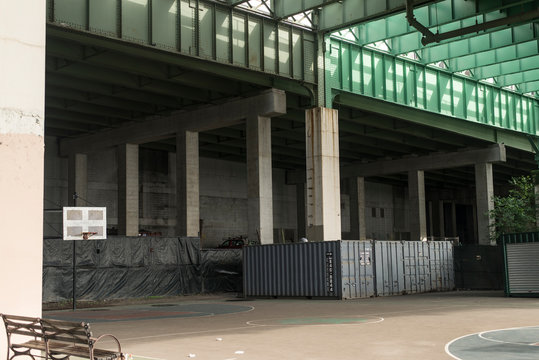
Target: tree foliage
column 515, row 213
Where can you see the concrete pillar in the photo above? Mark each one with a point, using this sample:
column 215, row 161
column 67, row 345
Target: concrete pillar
column 484, row 192
column 300, row 209
column 454, row 231
column 323, row 179
column 172, row 194
column 128, row 190
column 357, row 209
column 77, row 179
column 441, row 218
column 430, row 212
column 259, row 180
column 22, row 96
column 187, row 184
column 416, row 194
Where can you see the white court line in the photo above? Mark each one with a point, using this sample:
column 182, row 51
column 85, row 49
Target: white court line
column 506, row 342
column 379, row 319
column 479, row 335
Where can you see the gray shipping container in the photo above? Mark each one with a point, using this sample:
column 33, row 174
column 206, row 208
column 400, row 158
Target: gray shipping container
column 347, row 269
column 522, row 269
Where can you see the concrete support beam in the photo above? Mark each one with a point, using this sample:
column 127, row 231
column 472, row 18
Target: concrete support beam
column 187, row 184
column 22, row 115
column 484, row 192
column 323, row 180
column 128, row 190
column 416, row 195
column 77, row 179
column 300, row 210
column 358, row 229
column 259, row 180
column 494, row 153
column 267, row 104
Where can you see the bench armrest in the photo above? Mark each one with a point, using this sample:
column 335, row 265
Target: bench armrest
column 96, row 340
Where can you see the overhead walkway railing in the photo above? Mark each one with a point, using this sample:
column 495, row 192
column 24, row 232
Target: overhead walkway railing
column 203, row 29
column 373, row 73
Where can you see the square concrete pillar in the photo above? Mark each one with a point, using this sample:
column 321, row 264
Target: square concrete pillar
column 187, row 184
column 418, row 215
column 358, row 228
column 441, row 218
column 300, row 210
column 323, row 175
column 484, row 193
column 128, row 190
column 259, row 180
column 77, row 179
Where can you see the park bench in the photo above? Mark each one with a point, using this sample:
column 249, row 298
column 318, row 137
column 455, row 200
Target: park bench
column 54, row 339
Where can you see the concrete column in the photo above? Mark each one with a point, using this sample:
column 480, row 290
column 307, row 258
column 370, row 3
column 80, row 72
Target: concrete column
column 172, row 194
column 259, row 180
column 77, row 179
column 416, row 194
column 430, row 223
column 454, row 232
column 484, row 192
column 357, row 209
column 187, row 184
column 441, row 221
column 128, row 190
column 300, row 209
column 323, row 179
column 22, row 96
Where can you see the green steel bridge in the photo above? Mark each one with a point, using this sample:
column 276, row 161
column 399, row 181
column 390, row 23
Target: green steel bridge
column 474, row 83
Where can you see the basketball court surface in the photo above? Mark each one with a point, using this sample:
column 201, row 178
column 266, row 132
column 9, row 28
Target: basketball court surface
column 453, row 325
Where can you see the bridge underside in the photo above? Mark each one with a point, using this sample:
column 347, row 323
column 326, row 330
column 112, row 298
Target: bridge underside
column 94, row 84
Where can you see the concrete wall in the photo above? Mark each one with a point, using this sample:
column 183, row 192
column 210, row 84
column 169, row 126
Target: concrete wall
column 386, row 214
column 22, row 96
column 223, row 194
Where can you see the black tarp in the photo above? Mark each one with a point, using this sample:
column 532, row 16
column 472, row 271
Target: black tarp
column 221, row 270
column 137, row 267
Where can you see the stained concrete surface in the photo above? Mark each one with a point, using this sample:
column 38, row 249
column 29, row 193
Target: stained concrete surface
column 399, row 327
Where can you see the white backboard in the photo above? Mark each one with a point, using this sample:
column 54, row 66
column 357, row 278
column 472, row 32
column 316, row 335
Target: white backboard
column 85, row 223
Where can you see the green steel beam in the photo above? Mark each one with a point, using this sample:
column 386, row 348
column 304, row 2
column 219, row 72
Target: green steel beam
column 445, row 14
column 246, row 75
column 466, row 45
column 112, row 91
column 407, row 129
column 518, row 78
column 148, row 68
column 450, row 124
column 201, row 29
column 380, row 75
column 345, row 13
column 506, row 68
column 287, row 8
column 494, row 56
column 236, row 2
column 114, row 77
column 97, row 99
column 529, row 87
